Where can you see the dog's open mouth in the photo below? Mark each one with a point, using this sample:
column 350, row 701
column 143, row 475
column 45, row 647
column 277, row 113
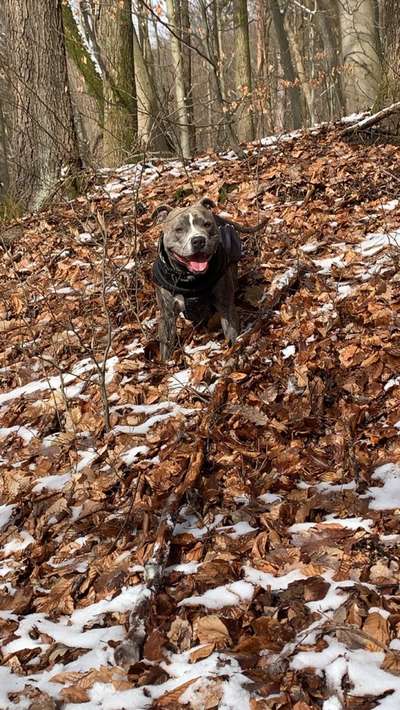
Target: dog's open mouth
column 196, row 263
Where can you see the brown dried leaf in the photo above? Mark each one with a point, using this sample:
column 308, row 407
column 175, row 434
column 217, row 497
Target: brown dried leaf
column 391, row 662
column 250, row 414
column 154, row 646
column 202, row 652
column 72, row 694
column 210, row 629
column 180, row 634
column 377, row 627
column 173, row 696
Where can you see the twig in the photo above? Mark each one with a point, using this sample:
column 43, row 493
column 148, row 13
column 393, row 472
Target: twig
column 102, row 383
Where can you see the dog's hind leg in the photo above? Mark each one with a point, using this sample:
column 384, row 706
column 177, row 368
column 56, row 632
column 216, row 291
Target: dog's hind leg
column 224, row 294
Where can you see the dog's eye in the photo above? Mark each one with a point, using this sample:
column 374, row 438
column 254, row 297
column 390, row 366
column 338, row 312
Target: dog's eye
column 207, row 225
column 179, row 230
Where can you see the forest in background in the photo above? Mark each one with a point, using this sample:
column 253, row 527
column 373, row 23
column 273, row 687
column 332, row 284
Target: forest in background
column 91, row 83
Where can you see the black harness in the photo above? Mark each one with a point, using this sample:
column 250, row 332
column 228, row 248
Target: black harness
column 196, row 289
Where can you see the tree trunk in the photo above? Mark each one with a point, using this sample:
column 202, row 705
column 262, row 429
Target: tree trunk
column 86, row 90
column 220, row 48
column 114, row 34
column 328, row 21
column 142, row 15
column 186, row 35
column 261, row 39
column 390, row 86
column 360, row 49
column 287, row 64
column 3, row 122
column 243, row 82
column 182, row 119
column 3, row 156
column 43, row 140
column 151, row 135
column 299, row 63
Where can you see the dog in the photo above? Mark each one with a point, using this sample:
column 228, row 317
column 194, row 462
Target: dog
column 196, row 270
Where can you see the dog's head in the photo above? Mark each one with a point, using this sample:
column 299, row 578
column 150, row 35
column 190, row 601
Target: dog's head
column 190, row 234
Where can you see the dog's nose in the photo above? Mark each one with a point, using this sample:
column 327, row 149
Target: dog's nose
column 198, row 243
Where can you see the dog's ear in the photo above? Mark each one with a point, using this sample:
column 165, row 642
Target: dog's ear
column 207, row 203
column 161, row 213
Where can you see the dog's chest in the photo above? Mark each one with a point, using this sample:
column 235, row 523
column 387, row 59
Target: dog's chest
column 179, row 303
column 196, row 308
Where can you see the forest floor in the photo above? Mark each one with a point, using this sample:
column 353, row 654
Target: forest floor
column 276, row 462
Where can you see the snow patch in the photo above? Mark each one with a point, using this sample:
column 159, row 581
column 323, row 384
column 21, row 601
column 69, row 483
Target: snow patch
column 220, row 597
column 386, row 497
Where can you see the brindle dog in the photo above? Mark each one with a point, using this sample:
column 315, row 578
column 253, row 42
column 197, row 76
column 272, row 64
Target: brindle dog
column 196, row 269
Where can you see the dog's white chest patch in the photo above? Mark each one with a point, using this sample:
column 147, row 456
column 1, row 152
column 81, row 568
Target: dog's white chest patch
column 179, row 303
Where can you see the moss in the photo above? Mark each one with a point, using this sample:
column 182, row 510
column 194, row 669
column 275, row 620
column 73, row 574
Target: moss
column 80, row 55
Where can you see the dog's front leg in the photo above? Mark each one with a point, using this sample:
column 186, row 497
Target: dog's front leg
column 166, row 325
column 224, row 294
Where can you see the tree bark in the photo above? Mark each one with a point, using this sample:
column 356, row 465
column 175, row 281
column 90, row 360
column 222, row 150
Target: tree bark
column 114, row 34
column 151, row 135
column 287, row 64
column 261, row 38
column 390, row 85
column 328, row 21
column 360, row 49
column 3, row 156
column 3, row 122
column 243, row 79
column 43, row 141
column 182, row 118
column 298, row 61
column 186, row 34
column 220, row 48
column 86, row 90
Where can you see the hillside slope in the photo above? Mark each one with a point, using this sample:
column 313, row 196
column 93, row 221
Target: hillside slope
column 244, row 503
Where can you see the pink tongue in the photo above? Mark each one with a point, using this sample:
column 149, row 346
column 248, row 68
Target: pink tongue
column 198, row 266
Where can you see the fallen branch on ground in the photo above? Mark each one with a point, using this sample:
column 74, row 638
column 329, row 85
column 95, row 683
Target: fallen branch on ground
column 129, row 651
column 371, row 120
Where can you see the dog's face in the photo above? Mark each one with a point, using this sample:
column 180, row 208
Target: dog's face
column 190, row 234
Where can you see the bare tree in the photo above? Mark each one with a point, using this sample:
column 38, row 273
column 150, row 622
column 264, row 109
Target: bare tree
column 390, row 87
column 114, row 48
column 178, row 66
column 243, row 78
column 3, row 101
column 151, row 134
column 3, row 156
column 43, row 140
column 86, row 87
column 287, row 63
column 329, row 28
column 360, row 47
column 186, row 34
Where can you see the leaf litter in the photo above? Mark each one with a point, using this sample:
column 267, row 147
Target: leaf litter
column 231, row 538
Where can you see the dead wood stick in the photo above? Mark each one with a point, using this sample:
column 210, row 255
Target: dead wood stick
column 129, row 651
column 371, row 120
column 246, row 228
column 154, row 567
